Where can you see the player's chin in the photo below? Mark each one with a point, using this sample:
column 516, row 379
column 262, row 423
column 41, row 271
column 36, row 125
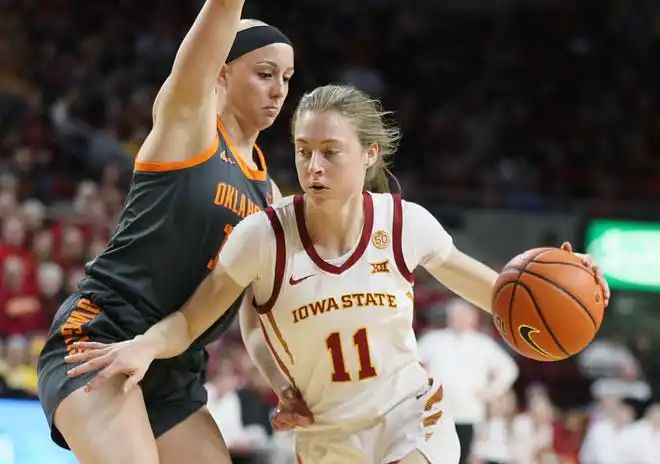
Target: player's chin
column 267, row 118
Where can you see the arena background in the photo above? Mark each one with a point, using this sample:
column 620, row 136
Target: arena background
column 526, row 123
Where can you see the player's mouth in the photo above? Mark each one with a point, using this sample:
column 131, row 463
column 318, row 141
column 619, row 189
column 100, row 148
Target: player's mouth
column 272, row 110
column 316, row 187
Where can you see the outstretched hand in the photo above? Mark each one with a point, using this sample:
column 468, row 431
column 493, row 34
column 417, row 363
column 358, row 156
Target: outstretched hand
column 588, row 261
column 130, row 358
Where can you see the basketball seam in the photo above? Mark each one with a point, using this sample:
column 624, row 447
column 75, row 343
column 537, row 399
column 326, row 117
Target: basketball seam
column 578, row 266
column 543, row 320
column 563, row 290
column 513, row 293
column 510, row 328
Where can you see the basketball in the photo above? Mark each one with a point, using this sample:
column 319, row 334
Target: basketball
column 547, row 305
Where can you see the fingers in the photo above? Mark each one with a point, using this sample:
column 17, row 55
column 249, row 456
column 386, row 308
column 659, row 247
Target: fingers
column 588, row 261
column 102, row 376
column 283, row 421
column 303, row 420
column 132, row 382
column 82, row 346
column 92, row 365
column 84, row 356
column 600, row 277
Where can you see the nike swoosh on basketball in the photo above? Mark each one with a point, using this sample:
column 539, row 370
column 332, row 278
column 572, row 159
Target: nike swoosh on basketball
column 526, row 334
column 293, row 281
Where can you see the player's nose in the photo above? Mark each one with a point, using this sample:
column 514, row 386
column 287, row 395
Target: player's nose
column 315, row 165
column 277, row 89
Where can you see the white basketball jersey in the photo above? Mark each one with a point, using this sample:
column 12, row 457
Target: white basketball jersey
column 342, row 330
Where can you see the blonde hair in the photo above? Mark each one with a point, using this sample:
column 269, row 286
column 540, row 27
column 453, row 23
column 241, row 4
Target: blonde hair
column 370, row 123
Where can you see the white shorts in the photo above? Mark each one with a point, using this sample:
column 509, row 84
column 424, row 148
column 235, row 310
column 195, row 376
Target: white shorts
column 408, row 427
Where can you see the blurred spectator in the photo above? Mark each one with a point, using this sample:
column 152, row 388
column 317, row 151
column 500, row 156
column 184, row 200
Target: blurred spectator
column 473, row 368
column 225, row 406
column 20, row 308
column 641, row 439
column 533, row 433
column 568, row 436
column 603, row 442
column 494, row 436
column 50, row 279
column 21, row 375
column 615, row 370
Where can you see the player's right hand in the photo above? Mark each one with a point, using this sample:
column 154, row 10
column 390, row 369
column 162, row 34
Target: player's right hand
column 292, row 411
column 130, row 358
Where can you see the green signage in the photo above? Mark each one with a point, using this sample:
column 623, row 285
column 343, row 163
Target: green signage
column 627, row 252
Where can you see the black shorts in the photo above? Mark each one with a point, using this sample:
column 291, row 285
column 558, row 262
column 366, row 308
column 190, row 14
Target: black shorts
column 173, row 389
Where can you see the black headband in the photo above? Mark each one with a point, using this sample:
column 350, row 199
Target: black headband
column 253, row 38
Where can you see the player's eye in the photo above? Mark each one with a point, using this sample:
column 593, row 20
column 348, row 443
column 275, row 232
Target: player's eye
column 265, row 75
column 304, row 152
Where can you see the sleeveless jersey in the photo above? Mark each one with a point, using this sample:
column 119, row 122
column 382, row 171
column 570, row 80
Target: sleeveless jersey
column 175, row 218
column 342, row 330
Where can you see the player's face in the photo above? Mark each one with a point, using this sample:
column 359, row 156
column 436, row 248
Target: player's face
column 257, row 84
column 330, row 161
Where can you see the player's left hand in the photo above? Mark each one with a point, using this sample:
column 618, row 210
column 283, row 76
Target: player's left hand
column 292, row 411
column 131, row 358
column 588, row 261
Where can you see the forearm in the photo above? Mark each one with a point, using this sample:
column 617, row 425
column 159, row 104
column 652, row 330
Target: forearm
column 175, row 333
column 468, row 278
column 168, row 338
column 203, row 52
column 257, row 348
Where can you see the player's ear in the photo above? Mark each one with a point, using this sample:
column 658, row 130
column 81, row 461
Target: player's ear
column 222, row 76
column 372, row 155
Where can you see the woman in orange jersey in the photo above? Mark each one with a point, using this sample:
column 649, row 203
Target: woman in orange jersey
column 196, row 176
column 330, row 272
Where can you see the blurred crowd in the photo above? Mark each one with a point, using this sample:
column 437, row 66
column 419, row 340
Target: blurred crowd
column 552, row 106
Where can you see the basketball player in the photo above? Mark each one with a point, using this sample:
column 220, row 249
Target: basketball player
column 195, row 179
column 331, row 275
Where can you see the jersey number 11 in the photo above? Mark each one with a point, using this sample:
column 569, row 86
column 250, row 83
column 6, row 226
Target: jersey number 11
column 361, row 342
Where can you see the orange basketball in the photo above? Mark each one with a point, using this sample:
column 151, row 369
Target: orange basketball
column 547, row 305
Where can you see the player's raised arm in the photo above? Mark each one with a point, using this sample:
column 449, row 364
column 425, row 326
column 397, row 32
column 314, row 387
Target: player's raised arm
column 200, row 58
column 238, row 267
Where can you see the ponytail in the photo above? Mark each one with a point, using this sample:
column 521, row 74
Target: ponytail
column 381, row 180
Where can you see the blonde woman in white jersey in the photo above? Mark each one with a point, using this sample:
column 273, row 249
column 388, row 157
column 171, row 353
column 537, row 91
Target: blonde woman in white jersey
column 331, row 276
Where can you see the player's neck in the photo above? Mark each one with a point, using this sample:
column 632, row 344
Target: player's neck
column 242, row 137
column 335, row 231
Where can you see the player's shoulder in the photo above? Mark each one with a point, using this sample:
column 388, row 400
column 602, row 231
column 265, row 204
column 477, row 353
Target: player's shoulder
column 284, row 203
column 384, row 200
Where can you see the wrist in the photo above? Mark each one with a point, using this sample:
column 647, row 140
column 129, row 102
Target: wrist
column 152, row 343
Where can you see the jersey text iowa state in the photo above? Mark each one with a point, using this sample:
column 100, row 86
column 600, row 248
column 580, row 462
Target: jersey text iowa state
column 235, row 201
column 348, row 301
